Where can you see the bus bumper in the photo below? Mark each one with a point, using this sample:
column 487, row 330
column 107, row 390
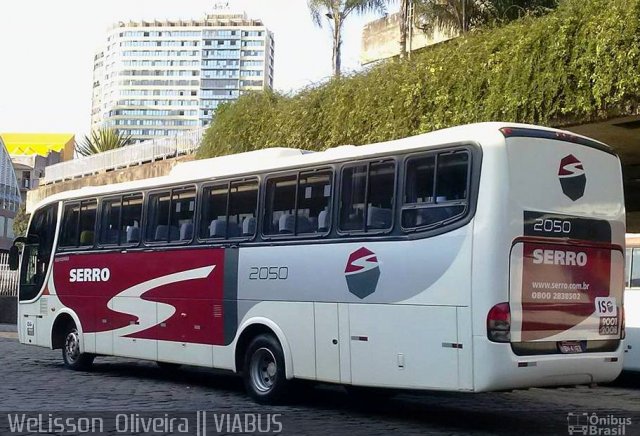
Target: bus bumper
column 496, row 367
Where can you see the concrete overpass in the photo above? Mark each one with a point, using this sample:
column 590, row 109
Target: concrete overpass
column 623, row 134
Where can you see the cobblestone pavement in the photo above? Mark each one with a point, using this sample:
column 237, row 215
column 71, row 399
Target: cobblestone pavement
column 33, row 379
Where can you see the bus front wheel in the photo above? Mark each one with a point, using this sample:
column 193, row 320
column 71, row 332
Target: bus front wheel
column 73, row 358
column 263, row 371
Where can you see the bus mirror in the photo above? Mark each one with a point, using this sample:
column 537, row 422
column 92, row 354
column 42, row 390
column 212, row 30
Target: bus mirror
column 14, row 258
column 20, row 240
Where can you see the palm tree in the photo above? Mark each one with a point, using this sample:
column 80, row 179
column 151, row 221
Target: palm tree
column 405, row 25
column 463, row 15
column 454, row 15
column 102, row 140
column 336, row 12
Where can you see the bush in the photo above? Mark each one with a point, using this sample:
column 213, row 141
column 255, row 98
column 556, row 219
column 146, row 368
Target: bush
column 574, row 65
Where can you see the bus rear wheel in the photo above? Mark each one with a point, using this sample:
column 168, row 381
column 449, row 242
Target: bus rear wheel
column 264, row 373
column 71, row 355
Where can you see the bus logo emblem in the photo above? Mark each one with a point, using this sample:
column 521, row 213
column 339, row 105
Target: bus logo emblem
column 572, row 177
column 362, row 272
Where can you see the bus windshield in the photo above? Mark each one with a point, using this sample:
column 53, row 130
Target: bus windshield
column 36, row 253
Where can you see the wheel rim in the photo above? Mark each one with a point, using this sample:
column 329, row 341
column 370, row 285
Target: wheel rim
column 263, row 369
column 72, row 346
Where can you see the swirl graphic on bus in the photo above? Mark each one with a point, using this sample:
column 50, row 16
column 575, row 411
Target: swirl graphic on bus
column 362, row 272
column 572, row 177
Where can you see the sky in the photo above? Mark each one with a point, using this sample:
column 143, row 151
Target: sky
column 47, row 48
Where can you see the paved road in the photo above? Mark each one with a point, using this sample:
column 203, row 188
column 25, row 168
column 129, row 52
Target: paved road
column 33, row 379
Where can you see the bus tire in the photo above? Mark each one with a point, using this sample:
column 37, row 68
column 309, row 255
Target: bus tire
column 264, row 371
column 71, row 355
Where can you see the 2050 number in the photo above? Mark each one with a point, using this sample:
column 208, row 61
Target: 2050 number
column 552, row 226
column 269, row 273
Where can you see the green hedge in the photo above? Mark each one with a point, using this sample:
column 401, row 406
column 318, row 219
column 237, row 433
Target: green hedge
column 577, row 64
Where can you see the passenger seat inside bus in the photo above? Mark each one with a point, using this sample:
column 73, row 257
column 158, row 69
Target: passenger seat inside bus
column 379, row 217
column 249, row 226
column 286, row 223
column 86, row 237
column 218, row 228
column 162, row 231
column 133, row 235
column 323, row 220
column 186, row 231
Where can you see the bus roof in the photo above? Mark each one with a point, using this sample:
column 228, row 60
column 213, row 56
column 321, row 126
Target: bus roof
column 282, row 158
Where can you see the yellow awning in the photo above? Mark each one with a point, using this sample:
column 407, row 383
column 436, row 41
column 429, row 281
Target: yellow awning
column 37, row 143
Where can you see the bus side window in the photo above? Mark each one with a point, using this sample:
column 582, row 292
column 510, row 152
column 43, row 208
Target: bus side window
column 435, row 189
column 314, row 196
column 131, row 219
column 158, row 217
column 213, row 221
column 78, row 224
column 69, row 231
column 88, row 211
column 229, row 210
column 110, row 221
column 353, row 197
column 280, row 207
column 183, row 207
column 243, row 206
column 366, row 197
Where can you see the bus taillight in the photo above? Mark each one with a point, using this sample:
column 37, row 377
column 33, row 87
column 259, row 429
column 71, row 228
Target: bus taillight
column 623, row 333
column 499, row 323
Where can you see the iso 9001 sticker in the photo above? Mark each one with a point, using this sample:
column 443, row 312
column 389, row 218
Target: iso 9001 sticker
column 608, row 312
column 606, row 306
column 608, row 326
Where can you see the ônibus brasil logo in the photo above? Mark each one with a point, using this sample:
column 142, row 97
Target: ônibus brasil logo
column 572, row 177
column 362, row 272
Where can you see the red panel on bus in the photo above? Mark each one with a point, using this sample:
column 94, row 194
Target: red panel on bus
column 560, row 284
column 189, row 281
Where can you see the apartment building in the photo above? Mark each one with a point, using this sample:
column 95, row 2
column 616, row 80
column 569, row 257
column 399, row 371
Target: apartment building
column 159, row 78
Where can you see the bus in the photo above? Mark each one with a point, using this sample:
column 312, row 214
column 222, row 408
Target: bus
column 632, row 303
column 476, row 258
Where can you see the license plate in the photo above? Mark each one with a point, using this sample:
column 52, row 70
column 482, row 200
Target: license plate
column 570, row 347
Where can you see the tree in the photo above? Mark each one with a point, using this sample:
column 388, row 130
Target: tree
column 464, row 15
column 406, row 22
column 507, row 10
column 336, row 12
column 102, row 140
column 454, row 15
column 20, row 222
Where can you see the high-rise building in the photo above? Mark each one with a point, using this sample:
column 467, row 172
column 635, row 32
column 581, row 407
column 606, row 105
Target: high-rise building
column 9, row 199
column 158, row 78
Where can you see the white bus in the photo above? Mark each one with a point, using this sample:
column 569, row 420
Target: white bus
column 476, row 258
column 632, row 303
